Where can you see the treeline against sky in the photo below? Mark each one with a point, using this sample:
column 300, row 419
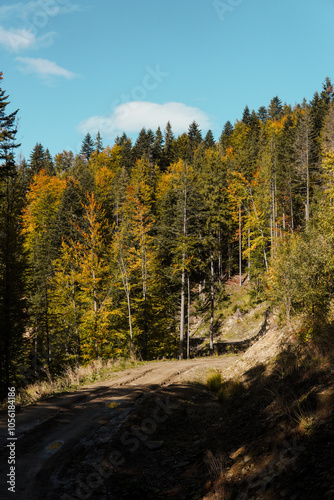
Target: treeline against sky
column 103, row 253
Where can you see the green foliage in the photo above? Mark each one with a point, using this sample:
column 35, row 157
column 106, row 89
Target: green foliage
column 12, row 259
column 88, row 146
column 113, row 236
column 302, row 277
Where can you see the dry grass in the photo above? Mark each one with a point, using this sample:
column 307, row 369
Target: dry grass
column 230, row 388
column 214, row 381
column 72, row 379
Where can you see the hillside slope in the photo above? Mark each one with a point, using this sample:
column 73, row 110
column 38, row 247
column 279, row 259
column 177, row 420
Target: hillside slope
column 269, row 436
column 157, row 432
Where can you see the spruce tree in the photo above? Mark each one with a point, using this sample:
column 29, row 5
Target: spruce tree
column 262, row 114
column 11, row 260
column 157, row 146
column 168, row 152
column 126, row 151
column 246, row 116
column 195, row 138
column 87, row 147
column 48, row 163
column 37, row 160
column 98, row 143
column 225, row 138
column 209, row 140
column 275, row 108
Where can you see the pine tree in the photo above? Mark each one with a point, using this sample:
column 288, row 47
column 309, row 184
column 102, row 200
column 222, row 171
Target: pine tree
column 209, row 140
column 37, row 160
column 303, row 154
column 144, row 144
column 246, row 116
column 211, row 180
column 98, row 143
column 177, row 199
column 11, row 254
column 48, row 163
column 275, row 108
column 157, row 148
column 262, row 114
column 195, row 138
column 168, row 151
column 126, row 150
column 224, row 140
column 43, row 199
column 87, row 147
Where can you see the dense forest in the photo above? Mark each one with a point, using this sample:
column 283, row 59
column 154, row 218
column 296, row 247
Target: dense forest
column 103, row 253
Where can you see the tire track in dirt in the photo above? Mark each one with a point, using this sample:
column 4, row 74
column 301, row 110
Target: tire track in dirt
column 50, row 432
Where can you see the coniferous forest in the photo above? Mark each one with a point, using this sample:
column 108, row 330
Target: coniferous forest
column 102, row 253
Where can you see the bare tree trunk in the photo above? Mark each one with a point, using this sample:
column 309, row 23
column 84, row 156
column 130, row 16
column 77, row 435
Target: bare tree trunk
column 220, row 267
column 188, row 322
column 182, row 313
column 126, row 286
column 144, row 277
column 291, row 204
column 240, row 247
column 183, row 277
column 47, row 328
column 307, row 208
column 249, row 257
column 212, row 301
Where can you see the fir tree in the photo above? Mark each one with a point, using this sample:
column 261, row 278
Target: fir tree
column 37, row 160
column 48, row 163
column 262, row 114
column 195, row 138
column 246, row 116
column 157, row 148
column 224, row 140
column 209, row 140
column 11, row 254
column 87, row 147
column 275, row 108
column 168, row 153
column 98, row 143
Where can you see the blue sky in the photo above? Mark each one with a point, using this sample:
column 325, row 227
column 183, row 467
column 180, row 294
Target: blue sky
column 78, row 66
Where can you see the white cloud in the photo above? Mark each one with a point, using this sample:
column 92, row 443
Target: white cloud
column 131, row 117
column 29, row 19
column 22, row 39
column 34, row 10
column 44, row 68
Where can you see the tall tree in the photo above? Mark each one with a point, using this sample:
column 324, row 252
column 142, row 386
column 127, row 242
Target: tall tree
column 37, row 160
column 195, row 138
column 11, row 290
column 39, row 216
column 246, row 116
column 224, row 140
column 262, row 114
column 98, row 143
column 211, row 180
column 275, row 108
column 209, row 140
column 303, row 152
column 157, row 148
column 168, row 152
column 87, row 147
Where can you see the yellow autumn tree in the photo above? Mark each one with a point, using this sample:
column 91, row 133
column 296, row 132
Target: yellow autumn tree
column 38, row 220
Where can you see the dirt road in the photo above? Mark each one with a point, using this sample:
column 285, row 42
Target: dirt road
column 55, row 436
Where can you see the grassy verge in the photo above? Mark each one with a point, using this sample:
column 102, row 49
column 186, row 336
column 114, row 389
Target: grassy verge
column 72, row 379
